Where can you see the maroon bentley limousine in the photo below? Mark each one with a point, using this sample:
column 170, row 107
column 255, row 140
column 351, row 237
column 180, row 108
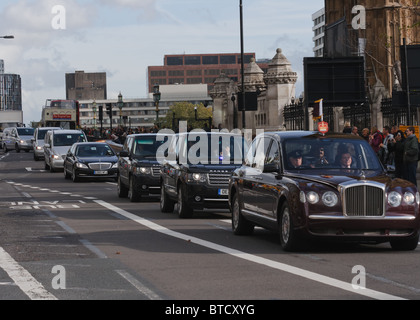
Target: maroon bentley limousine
column 332, row 186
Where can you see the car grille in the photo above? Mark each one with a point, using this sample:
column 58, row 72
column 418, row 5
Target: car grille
column 364, row 201
column 156, row 171
column 100, row 166
column 219, row 179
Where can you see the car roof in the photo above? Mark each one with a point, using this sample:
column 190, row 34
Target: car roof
column 66, row 131
column 149, row 134
column 283, row 135
column 91, row 143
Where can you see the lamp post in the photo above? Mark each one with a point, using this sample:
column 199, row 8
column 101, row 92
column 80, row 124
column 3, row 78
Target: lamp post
column 94, row 114
column 235, row 112
column 156, row 99
column 242, row 66
column 7, row 37
column 120, row 106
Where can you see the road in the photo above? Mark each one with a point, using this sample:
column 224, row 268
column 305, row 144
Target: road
column 79, row 241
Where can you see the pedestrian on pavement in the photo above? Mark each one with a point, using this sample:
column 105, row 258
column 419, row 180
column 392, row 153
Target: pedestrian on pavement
column 365, row 134
column 396, row 146
column 384, row 153
column 375, row 139
column 354, row 131
column 411, row 156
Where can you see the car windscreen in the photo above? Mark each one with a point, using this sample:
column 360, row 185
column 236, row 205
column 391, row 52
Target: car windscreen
column 335, row 154
column 25, row 131
column 147, row 147
column 212, row 149
column 68, row 139
column 94, row 151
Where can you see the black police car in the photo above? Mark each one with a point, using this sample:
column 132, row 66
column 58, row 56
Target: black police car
column 138, row 166
column 197, row 170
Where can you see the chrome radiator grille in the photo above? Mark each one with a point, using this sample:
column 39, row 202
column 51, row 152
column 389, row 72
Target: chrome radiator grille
column 219, row 179
column 364, row 201
column 156, row 171
column 100, row 166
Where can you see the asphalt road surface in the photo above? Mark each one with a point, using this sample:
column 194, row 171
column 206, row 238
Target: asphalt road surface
column 79, row 241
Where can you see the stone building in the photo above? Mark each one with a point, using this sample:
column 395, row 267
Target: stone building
column 276, row 88
column 387, row 23
column 86, row 86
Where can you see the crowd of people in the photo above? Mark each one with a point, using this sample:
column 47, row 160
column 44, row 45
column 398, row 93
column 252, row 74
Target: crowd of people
column 393, row 147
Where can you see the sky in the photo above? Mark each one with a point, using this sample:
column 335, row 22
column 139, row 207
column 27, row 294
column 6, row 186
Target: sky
column 124, row 37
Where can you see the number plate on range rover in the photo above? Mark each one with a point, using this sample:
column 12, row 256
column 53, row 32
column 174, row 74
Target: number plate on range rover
column 100, row 172
column 223, row 192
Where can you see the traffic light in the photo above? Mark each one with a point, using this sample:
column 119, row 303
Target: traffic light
column 109, row 110
column 101, row 113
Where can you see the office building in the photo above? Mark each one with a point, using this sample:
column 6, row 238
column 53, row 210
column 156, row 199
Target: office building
column 199, row 68
column 10, row 91
column 319, row 32
column 86, row 86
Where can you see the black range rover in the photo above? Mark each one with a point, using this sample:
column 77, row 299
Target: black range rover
column 138, row 166
column 197, row 170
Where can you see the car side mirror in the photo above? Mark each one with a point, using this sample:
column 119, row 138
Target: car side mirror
column 123, row 153
column 271, row 167
column 390, row 168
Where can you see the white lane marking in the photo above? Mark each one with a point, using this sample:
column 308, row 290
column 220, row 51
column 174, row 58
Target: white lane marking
column 253, row 258
column 138, row 285
column 23, row 279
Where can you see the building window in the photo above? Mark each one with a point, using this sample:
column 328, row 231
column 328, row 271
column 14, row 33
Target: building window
column 192, row 60
column 193, row 72
column 210, row 60
column 158, row 73
column 174, row 61
column 176, row 73
column 227, row 59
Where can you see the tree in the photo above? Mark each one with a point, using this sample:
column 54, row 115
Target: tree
column 185, row 111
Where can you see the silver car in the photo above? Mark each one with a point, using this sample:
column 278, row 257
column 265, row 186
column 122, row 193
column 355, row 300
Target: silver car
column 57, row 144
column 38, row 141
column 17, row 139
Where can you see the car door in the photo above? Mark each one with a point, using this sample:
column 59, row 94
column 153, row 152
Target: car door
column 125, row 162
column 268, row 188
column 171, row 168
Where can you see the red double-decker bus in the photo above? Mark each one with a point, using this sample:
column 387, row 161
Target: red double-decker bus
column 61, row 113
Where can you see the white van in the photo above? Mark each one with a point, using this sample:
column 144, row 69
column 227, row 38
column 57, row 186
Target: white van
column 38, row 141
column 18, row 139
column 57, row 144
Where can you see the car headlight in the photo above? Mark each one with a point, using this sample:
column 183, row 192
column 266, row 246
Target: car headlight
column 394, row 199
column 312, row 197
column 39, row 148
column 115, row 165
column 81, row 165
column 55, row 157
column 418, row 198
column 409, row 198
column 144, row 170
column 302, row 197
column 197, row 177
column 330, row 199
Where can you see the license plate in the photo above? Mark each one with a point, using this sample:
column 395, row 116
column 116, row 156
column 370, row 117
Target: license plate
column 223, row 192
column 100, row 172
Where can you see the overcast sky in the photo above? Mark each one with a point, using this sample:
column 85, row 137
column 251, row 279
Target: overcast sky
column 124, row 37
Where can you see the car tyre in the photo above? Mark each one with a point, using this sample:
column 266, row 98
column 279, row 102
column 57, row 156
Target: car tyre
column 66, row 174
column 289, row 238
column 166, row 204
column 184, row 210
column 74, row 175
column 133, row 191
column 405, row 244
column 240, row 226
column 121, row 188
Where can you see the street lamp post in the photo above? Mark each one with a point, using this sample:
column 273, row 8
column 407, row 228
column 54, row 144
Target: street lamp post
column 7, row 37
column 156, row 99
column 94, row 114
column 120, row 106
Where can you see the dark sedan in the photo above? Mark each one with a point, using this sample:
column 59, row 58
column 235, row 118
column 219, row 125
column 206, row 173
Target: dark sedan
column 90, row 160
column 305, row 185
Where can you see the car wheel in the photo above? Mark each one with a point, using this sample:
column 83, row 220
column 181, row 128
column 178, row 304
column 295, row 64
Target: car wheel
column 74, row 175
column 121, row 188
column 133, row 191
column 66, row 174
column 288, row 236
column 17, row 148
column 405, row 244
column 166, row 204
column 184, row 210
column 240, row 226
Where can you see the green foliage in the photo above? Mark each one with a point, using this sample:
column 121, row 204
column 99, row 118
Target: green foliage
column 185, row 111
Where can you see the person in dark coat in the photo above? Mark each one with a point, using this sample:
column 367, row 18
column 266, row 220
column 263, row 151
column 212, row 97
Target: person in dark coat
column 411, row 156
column 396, row 146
